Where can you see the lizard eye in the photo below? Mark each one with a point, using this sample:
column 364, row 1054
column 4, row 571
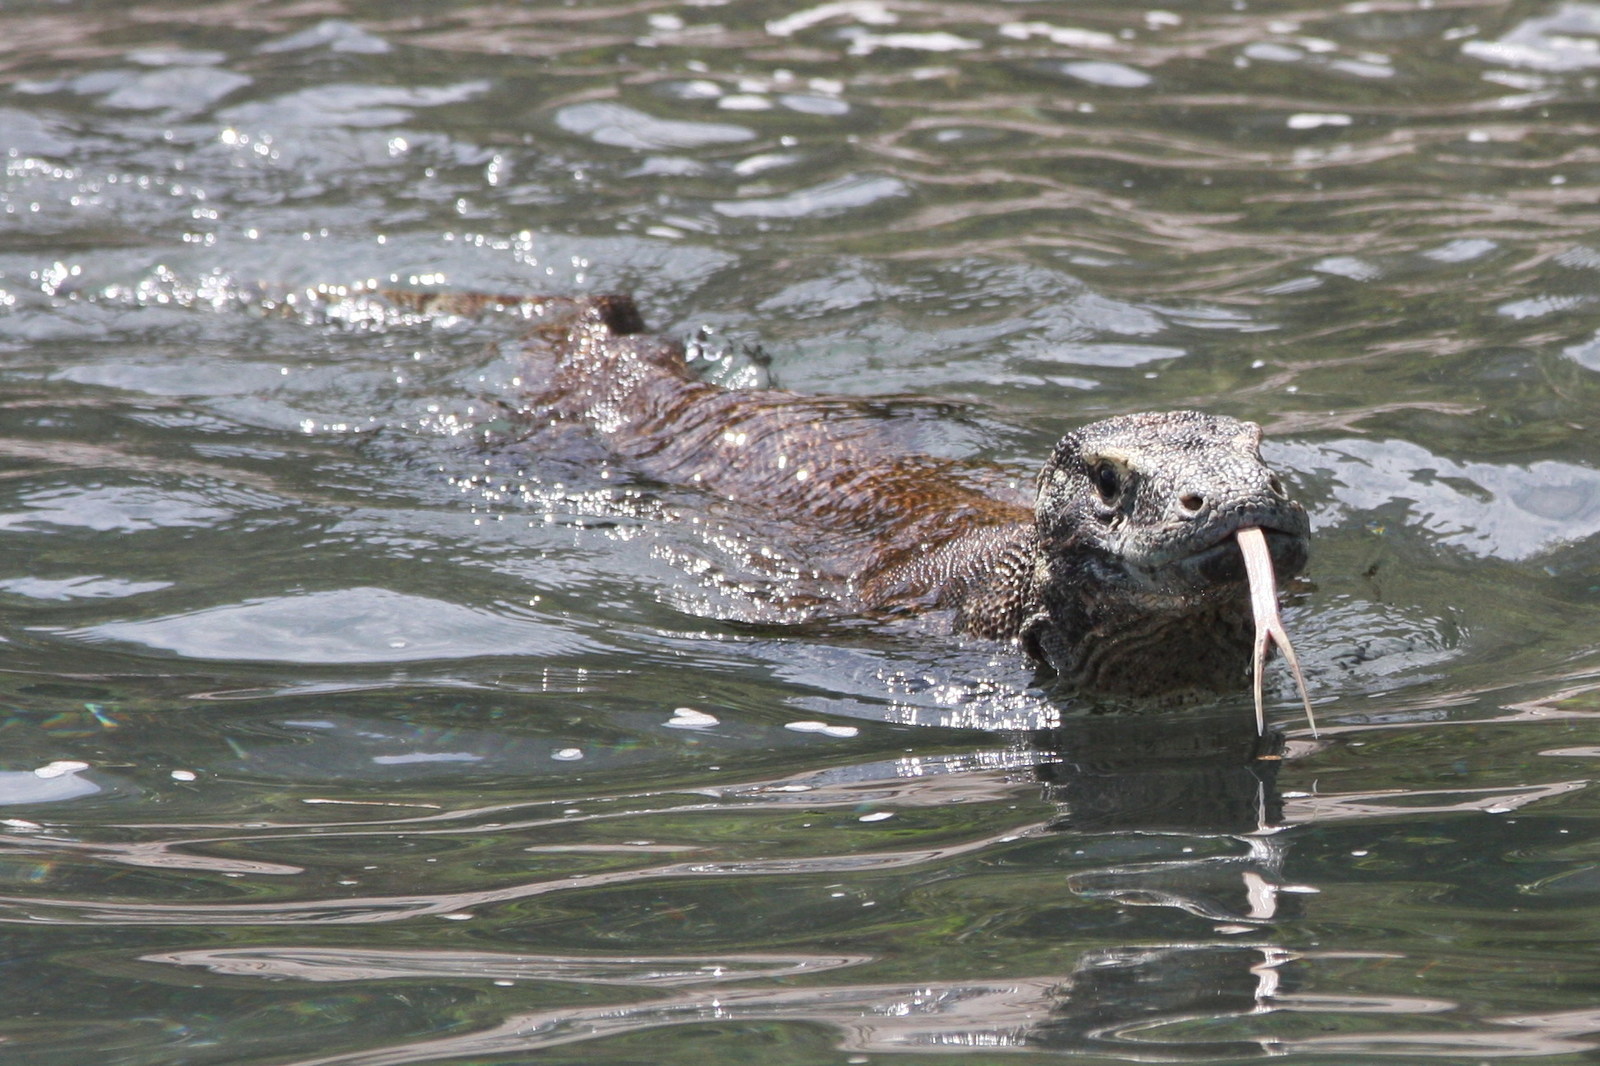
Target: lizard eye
column 1107, row 481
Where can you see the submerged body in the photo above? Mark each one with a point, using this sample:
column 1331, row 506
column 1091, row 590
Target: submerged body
column 1124, row 575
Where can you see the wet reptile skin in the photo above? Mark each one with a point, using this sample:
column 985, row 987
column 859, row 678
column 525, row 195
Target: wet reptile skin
column 1123, row 577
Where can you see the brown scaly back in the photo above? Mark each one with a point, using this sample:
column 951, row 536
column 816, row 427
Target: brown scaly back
column 894, row 523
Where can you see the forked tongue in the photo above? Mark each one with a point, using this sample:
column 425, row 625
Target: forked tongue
column 1269, row 624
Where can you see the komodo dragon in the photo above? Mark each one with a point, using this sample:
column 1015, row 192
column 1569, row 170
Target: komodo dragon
column 1144, row 569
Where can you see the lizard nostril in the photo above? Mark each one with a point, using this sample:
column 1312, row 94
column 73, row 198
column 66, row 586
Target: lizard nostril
column 1192, row 501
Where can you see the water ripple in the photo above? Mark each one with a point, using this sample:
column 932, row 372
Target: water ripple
column 304, row 963
column 357, row 625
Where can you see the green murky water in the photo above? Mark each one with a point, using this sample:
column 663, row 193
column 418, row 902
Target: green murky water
column 328, row 739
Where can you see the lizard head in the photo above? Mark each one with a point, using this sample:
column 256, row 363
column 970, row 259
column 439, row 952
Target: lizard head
column 1137, row 518
column 1155, row 500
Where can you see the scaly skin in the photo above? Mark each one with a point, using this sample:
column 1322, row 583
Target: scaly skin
column 1124, row 577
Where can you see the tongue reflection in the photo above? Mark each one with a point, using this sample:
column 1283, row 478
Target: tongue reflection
column 1269, row 625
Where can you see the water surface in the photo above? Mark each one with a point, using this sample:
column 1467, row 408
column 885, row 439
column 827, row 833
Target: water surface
column 332, row 738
